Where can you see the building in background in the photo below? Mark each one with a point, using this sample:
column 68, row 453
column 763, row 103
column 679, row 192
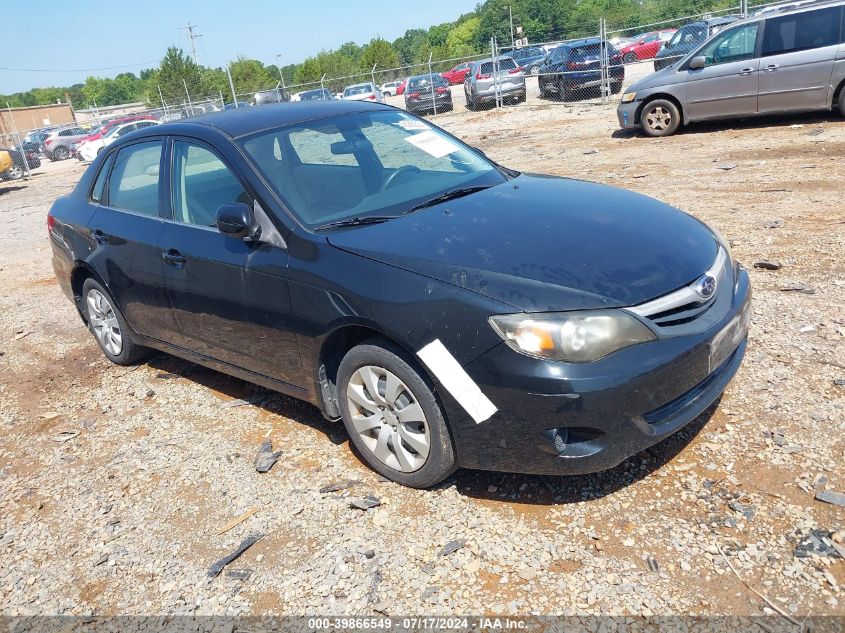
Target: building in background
column 94, row 115
column 32, row 117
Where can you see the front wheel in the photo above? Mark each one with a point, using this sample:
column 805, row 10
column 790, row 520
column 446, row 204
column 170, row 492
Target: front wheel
column 660, row 117
column 108, row 326
column 392, row 416
column 629, row 58
column 842, row 101
column 15, row 172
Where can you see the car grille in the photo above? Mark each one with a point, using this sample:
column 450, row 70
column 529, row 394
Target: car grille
column 683, row 308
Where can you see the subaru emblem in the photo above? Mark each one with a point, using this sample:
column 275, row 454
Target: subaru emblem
column 706, row 286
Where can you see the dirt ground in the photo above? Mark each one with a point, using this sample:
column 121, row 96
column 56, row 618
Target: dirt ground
column 115, row 482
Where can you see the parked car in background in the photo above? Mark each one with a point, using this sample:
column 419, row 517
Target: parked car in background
column 457, row 74
column 37, row 137
column 89, row 149
column 57, row 146
column 688, row 38
column 529, row 58
column 277, row 95
column 573, row 70
column 450, row 311
column 489, row 78
column 20, row 161
column 295, row 96
column 400, row 89
column 389, row 89
column 240, row 104
column 320, row 94
column 428, row 93
column 107, row 126
column 362, row 92
column 645, row 45
column 774, row 63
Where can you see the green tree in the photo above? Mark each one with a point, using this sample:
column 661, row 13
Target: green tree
column 175, row 72
column 379, row 52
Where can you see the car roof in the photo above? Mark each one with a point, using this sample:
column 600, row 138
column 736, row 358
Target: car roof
column 242, row 121
column 584, row 42
column 366, row 83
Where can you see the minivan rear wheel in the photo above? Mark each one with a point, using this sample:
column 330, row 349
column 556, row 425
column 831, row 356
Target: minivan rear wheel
column 393, row 417
column 842, row 101
column 660, row 117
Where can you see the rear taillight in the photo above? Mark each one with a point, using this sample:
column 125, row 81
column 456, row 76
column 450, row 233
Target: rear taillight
column 480, row 76
column 515, row 70
column 441, row 91
column 48, row 141
column 51, row 223
column 413, row 95
column 572, row 65
column 372, row 97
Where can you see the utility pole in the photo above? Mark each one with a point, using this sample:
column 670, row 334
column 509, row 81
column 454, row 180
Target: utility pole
column 510, row 12
column 190, row 31
column 279, row 66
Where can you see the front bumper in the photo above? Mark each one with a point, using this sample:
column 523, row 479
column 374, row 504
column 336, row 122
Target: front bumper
column 627, row 114
column 567, row 419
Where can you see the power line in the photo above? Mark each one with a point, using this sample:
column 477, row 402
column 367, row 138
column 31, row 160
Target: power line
column 77, row 70
column 190, row 29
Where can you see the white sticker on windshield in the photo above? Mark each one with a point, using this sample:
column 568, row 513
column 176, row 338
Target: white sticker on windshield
column 412, row 124
column 457, row 382
column 432, row 144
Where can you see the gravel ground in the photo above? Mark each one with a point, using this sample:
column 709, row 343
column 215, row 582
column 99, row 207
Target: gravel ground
column 115, row 483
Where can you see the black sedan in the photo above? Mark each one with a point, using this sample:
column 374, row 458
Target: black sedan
column 428, row 93
column 452, row 312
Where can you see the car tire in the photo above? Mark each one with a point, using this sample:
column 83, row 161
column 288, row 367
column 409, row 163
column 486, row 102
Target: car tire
column 416, row 452
column 660, row 117
column 15, row 172
column 108, row 326
column 842, row 101
column 629, row 58
column 61, row 153
column 534, row 70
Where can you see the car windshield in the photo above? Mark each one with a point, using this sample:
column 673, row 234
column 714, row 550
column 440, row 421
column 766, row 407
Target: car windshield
column 365, row 164
column 357, row 90
column 416, row 83
column 689, row 34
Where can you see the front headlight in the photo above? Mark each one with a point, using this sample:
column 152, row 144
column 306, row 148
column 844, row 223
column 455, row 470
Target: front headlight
column 574, row 337
column 628, row 97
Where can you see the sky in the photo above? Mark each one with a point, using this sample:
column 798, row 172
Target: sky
column 69, row 39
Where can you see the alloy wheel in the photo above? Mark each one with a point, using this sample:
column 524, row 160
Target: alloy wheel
column 658, row 119
column 388, row 418
column 15, row 172
column 104, row 322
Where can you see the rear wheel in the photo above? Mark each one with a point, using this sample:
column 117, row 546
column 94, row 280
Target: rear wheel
column 629, row 58
column 108, row 326
column 660, row 118
column 392, row 416
column 842, row 101
column 61, row 153
column 15, row 172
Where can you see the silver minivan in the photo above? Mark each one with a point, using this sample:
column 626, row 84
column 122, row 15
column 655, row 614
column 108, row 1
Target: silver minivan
column 788, row 61
column 488, row 78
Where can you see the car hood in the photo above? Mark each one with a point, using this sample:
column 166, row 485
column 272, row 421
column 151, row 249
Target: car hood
column 656, row 79
column 540, row 243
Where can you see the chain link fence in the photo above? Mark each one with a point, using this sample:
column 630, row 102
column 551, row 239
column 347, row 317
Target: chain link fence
column 592, row 66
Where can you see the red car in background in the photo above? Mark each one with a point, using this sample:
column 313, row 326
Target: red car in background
column 400, row 89
column 108, row 125
column 457, row 74
column 645, row 45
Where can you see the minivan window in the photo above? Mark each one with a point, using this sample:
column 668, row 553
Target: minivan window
column 133, row 185
column 802, row 31
column 731, row 46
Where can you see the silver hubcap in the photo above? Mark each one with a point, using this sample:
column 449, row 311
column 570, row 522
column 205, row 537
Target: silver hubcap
column 15, row 172
column 388, row 418
column 104, row 322
column 658, row 119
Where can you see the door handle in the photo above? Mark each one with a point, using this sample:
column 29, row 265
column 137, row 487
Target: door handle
column 99, row 236
column 174, row 258
column 746, row 71
column 771, row 68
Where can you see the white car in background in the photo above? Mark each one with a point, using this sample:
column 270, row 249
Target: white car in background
column 362, row 92
column 88, row 150
column 296, row 96
column 389, row 89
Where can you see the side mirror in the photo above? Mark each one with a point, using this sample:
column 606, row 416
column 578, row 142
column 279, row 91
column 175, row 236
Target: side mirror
column 697, row 62
column 234, row 219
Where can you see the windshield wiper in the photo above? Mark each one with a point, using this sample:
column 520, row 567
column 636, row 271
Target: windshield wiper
column 445, row 197
column 369, row 219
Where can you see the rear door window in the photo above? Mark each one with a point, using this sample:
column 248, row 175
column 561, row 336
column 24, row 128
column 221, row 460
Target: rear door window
column 134, row 182
column 99, row 185
column 506, row 63
column 802, row 31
